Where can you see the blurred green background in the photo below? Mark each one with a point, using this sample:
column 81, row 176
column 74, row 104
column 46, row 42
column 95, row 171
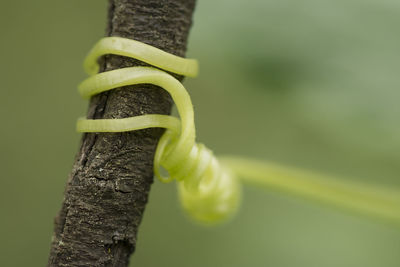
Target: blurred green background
column 310, row 83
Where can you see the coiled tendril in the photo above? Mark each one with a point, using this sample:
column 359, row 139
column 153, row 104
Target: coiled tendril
column 209, row 191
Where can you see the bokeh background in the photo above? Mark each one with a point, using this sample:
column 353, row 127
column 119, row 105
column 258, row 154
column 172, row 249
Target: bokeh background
column 310, row 83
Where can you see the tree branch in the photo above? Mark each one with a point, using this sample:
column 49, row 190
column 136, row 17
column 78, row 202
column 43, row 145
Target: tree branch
column 108, row 187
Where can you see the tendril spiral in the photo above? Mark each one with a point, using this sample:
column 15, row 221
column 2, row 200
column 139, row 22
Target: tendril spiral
column 208, row 191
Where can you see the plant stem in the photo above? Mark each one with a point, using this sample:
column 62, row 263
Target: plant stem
column 108, row 187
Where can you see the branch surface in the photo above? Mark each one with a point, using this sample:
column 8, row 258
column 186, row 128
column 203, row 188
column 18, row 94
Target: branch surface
column 108, row 187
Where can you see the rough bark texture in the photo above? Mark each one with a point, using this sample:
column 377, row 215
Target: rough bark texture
column 108, row 187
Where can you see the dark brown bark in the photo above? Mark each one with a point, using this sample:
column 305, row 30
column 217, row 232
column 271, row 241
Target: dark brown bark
column 108, row 187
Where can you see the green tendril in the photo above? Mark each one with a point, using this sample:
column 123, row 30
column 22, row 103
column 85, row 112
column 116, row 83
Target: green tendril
column 210, row 191
column 372, row 201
